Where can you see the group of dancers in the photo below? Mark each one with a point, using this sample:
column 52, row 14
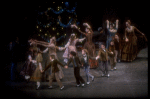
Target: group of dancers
column 114, row 50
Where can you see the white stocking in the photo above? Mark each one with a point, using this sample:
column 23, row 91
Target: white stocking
column 38, row 83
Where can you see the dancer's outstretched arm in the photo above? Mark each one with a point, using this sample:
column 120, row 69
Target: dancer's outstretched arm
column 45, row 50
column 78, row 29
column 117, row 21
column 45, row 45
column 60, row 48
column 42, row 42
column 107, row 22
column 140, row 32
column 82, row 39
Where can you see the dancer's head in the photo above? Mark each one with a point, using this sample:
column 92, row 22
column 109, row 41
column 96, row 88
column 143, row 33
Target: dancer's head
column 52, row 56
column 112, row 43
column 111, row 26
column 116, row 36
column 103, row 45
column 87, row 29
column 53, row 40
column 128, row 23
column 73, row 36
column 72, row 54
column 84, row 51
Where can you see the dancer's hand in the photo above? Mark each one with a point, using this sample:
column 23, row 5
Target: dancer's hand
column 66, row 66
column 42, row 71
column 63, row 48
column 85, row 24
column 107, row 21
column 126, row 39
column 73, row 26
column 97, row 58
column 111, row 52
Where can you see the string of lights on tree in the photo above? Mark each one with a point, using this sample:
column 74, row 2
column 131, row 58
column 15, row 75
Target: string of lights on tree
column 49, row 22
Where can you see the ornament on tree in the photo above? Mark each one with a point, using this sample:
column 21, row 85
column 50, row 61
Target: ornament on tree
column 67, row 4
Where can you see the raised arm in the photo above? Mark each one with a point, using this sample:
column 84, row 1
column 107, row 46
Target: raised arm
column 125, row 34
column 81, row 31
column 117, row 22
column 107, row 23
column 78, row 29
column 88, row 26
column 45, row 45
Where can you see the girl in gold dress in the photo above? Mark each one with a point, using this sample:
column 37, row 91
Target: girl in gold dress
column 37, row 75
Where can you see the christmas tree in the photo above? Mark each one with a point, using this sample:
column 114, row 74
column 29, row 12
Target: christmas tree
column 54, row 19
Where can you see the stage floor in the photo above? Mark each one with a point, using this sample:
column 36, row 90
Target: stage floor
column 129, row 80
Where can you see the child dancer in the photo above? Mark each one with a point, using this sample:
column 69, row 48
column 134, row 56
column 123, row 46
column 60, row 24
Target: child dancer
column 55, row 71
column 76, row 64
column 117, row 42
column 85, row 62
column 103, row 55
